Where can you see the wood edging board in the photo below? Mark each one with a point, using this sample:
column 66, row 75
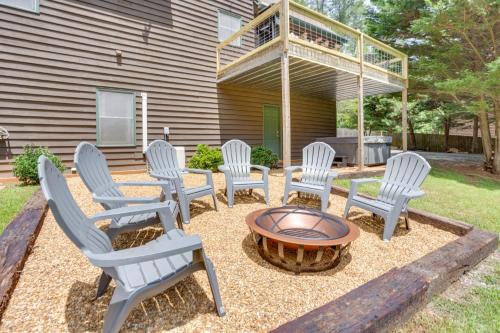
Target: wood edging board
column 16, row 243
column 388, row 301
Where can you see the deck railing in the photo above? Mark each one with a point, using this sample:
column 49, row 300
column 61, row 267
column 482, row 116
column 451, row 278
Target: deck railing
column 313, row 30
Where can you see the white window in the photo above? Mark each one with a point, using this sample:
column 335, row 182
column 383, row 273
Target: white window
column 228, row 25
column 31, row 5
column 115, row 118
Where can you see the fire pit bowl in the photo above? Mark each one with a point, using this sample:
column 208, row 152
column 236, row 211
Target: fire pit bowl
column 301, row 239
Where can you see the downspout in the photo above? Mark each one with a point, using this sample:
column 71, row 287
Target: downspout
column 144, row 121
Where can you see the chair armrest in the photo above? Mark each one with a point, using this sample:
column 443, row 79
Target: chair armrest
column 403, row 198
column 333, row 174
column 413, row 194
column 198, row 171
column 131, row 210
column 145, row 183
column 154, row 250
column 223, row 168
column 364, row 180
column 207, row 173
column 293, row 168
column 125, row 200
column 356, row 182
column 162, row 176
column 260, row 167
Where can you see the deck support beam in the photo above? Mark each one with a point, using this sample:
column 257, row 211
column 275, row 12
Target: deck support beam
column 285, row 110
column 285, row 88
column 404, row 118
column 361, row 112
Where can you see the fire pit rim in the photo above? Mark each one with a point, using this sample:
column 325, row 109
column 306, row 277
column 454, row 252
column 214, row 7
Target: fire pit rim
column 349, row 237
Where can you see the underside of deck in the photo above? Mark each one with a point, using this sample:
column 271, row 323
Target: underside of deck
column 308, row 77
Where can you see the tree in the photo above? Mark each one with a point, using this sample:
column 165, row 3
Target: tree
column 453, row 52
column 350, row 12
column 461, row 61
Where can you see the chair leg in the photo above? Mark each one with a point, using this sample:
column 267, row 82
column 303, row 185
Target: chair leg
column 230, row 198
column 266, row 195
column 390, row 223
column 346, row 209
column 215, row 201
column 214, row 286
column 324, row 201
column 112, row 233
column 407, row 222
column 118, row 309
column 184, row 207
column 104, row 281
column 286, row 194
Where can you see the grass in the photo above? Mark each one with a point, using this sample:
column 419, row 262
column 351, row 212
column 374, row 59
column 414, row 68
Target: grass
column 475, row 200
column 472, row 199
column 12, row 199
column 477, row 311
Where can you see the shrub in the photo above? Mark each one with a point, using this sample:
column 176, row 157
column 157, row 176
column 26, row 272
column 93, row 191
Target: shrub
column 25, row 165
column 206, row 158
column 264, row 156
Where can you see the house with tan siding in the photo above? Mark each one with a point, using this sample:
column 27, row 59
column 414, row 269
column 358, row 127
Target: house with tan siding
column 117, row 72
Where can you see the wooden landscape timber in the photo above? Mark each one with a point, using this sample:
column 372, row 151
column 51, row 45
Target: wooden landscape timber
column 390, row 300
column 16, row 243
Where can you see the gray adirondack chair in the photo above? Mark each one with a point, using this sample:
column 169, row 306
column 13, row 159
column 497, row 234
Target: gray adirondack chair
column 403, row 176
column 236, row 168
column 317, row 175
column 94, row 172
column 163, row 165
column 139, row 272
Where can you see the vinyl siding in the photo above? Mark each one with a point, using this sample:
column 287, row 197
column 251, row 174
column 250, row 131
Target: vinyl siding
column 52, row 63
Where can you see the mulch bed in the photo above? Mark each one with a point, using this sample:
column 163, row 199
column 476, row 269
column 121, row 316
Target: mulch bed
column 56, row 290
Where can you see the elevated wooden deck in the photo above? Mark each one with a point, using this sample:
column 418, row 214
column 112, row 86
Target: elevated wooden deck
column 326, row 57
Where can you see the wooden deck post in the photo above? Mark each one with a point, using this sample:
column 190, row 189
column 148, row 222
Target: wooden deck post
column 285, row 87
column 404, row 116
column 361, row 115
column 404, row 107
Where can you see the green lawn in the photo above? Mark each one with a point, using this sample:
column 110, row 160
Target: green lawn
column 475, row 200
column 12, row 199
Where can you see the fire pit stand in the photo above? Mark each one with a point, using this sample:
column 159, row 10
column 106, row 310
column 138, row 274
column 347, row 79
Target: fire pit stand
column 301, row 239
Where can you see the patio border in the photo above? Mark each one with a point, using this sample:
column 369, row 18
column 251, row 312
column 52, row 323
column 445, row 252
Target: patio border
column 16, row 243
column 390, row 300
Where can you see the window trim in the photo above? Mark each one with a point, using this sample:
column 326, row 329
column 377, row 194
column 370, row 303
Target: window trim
column 134, row 117
column 228, row 13
column 36, row 10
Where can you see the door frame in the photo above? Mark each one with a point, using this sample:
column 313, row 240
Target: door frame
column 280, row 155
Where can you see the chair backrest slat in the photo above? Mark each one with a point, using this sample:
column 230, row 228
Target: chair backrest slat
column 236, row 154
column 162, row 159
column 404, row 172
column 71, row 219
column 317, row 159
column 93, row 169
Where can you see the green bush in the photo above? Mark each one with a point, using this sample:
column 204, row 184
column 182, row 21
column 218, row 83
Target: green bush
column 25, row 165
column 206, row 158
column 264, row 156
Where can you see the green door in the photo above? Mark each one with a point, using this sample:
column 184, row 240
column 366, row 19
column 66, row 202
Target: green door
column 272, row 128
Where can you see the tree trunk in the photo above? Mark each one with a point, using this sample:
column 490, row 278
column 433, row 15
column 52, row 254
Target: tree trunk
column 484, row 126
column 413, row 139
column 496, row 155
column 446, row 134
column 475, row 130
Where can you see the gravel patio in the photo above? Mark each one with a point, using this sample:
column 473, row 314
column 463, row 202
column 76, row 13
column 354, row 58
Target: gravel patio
column 57, row 287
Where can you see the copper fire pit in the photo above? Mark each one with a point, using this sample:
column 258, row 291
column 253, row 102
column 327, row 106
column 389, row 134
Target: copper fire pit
column 301, row 239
